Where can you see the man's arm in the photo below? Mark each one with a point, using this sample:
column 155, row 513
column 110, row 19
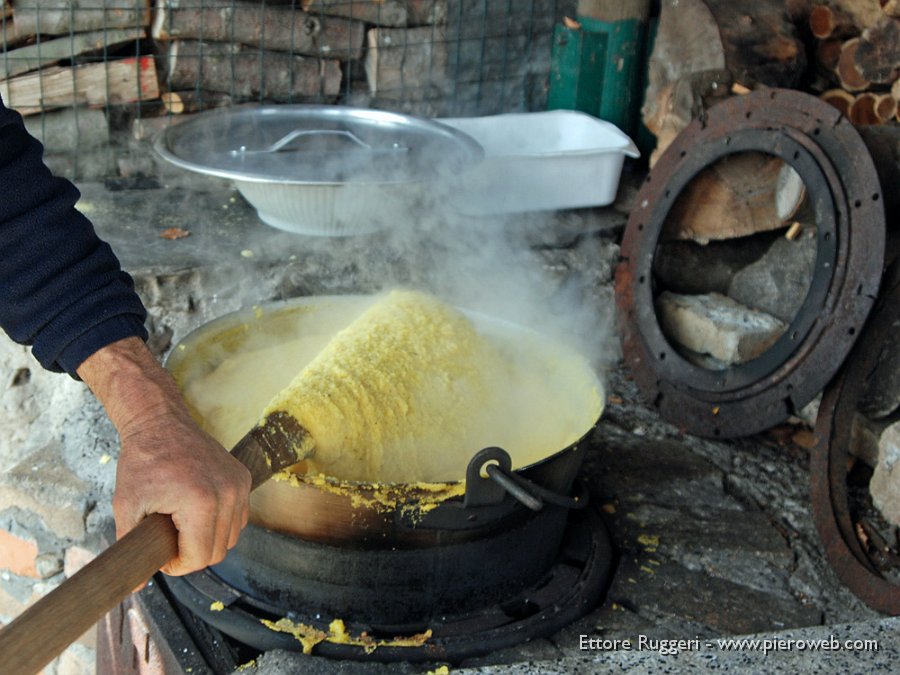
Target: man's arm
column 167, row 464
column 63, row 292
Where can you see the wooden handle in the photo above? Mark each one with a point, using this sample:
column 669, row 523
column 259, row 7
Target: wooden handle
column 55, row 621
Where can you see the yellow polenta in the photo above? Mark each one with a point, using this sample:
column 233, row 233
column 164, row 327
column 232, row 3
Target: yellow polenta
column 390, row 393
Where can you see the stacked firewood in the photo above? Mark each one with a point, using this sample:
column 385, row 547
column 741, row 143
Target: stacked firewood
column 57, row 55
column 75, row 63
column 857, row 54
column 99, row 67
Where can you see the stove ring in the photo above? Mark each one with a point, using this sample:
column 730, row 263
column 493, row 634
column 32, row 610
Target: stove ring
column 574, row 586
column 828, row 463
column 841, row 180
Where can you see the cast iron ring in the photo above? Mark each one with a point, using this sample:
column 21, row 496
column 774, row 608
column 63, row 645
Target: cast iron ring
column 842, row 184
column 829, row 460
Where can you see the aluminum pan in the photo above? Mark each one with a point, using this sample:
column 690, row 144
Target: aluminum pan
column 317, row 145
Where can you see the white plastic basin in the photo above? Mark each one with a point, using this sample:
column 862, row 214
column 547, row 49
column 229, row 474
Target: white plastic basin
column 541, row 161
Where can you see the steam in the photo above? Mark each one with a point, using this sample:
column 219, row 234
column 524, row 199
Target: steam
column 489, row 265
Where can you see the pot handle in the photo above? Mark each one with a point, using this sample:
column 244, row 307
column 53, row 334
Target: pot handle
column 494, row 464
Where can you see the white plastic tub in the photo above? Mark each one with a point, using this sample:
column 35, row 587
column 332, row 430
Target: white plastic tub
column 559, row 159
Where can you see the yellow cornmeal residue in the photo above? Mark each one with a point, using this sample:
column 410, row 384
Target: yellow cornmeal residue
column 309, row 636
column 442, row 670
column 217, row 606
column 247, row 666
column 649, row 541
column 412, row 498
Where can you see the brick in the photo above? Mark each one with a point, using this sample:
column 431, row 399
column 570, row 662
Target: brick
column 17, row 555
column 76, row 558
column 44, row 485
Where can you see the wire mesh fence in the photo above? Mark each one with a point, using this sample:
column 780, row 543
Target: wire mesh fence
column 97, row 79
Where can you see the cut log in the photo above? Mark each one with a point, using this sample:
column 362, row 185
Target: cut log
column 249, row 73
column 895, row 94
column 681, row 101
column 121, row 81
column 191, row 101
column 790, row 193
column 885, row 108
column 276, row 28
column 62, row 17
column 391, row 13
column 146, row 128
column 877, row 57
column 891, row 8
column 614, row 10
column 862, row 111
column 848, row 72
column 735, row 197
column 863, row 13
column 407, row 64
column 828, row 22
column 21, row 60
column 752, row 43
column 427, row 12
column 828, row 53
column 70, row 129
column 840, row 99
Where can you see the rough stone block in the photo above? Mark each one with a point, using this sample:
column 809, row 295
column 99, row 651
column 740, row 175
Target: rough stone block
column 778, row 282
column 10, row 606
column 77, row 660
column 688, row 267
column 33, row 403
column 44, row 485
column 864, row 438
column 717, row 325
column 885, row 483
column 882, row 396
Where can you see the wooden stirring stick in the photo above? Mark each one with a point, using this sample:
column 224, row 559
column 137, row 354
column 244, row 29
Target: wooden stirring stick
column 55, row 621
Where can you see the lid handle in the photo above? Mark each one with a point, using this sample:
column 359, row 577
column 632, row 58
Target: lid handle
column 283, row 143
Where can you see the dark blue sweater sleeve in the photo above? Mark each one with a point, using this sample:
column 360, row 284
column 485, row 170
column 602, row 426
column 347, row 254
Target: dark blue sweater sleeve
column 62, row 290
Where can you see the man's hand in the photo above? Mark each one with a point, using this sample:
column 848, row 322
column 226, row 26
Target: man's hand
column 167, row 464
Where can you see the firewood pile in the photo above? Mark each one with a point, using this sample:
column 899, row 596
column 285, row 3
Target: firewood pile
column 90, row 74
column 845, row 51
column 736, row 255
column 857, row 58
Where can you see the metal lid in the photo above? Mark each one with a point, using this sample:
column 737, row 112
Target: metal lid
column 317, row 144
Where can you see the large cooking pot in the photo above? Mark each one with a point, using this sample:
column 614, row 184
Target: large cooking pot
column 397, row 552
